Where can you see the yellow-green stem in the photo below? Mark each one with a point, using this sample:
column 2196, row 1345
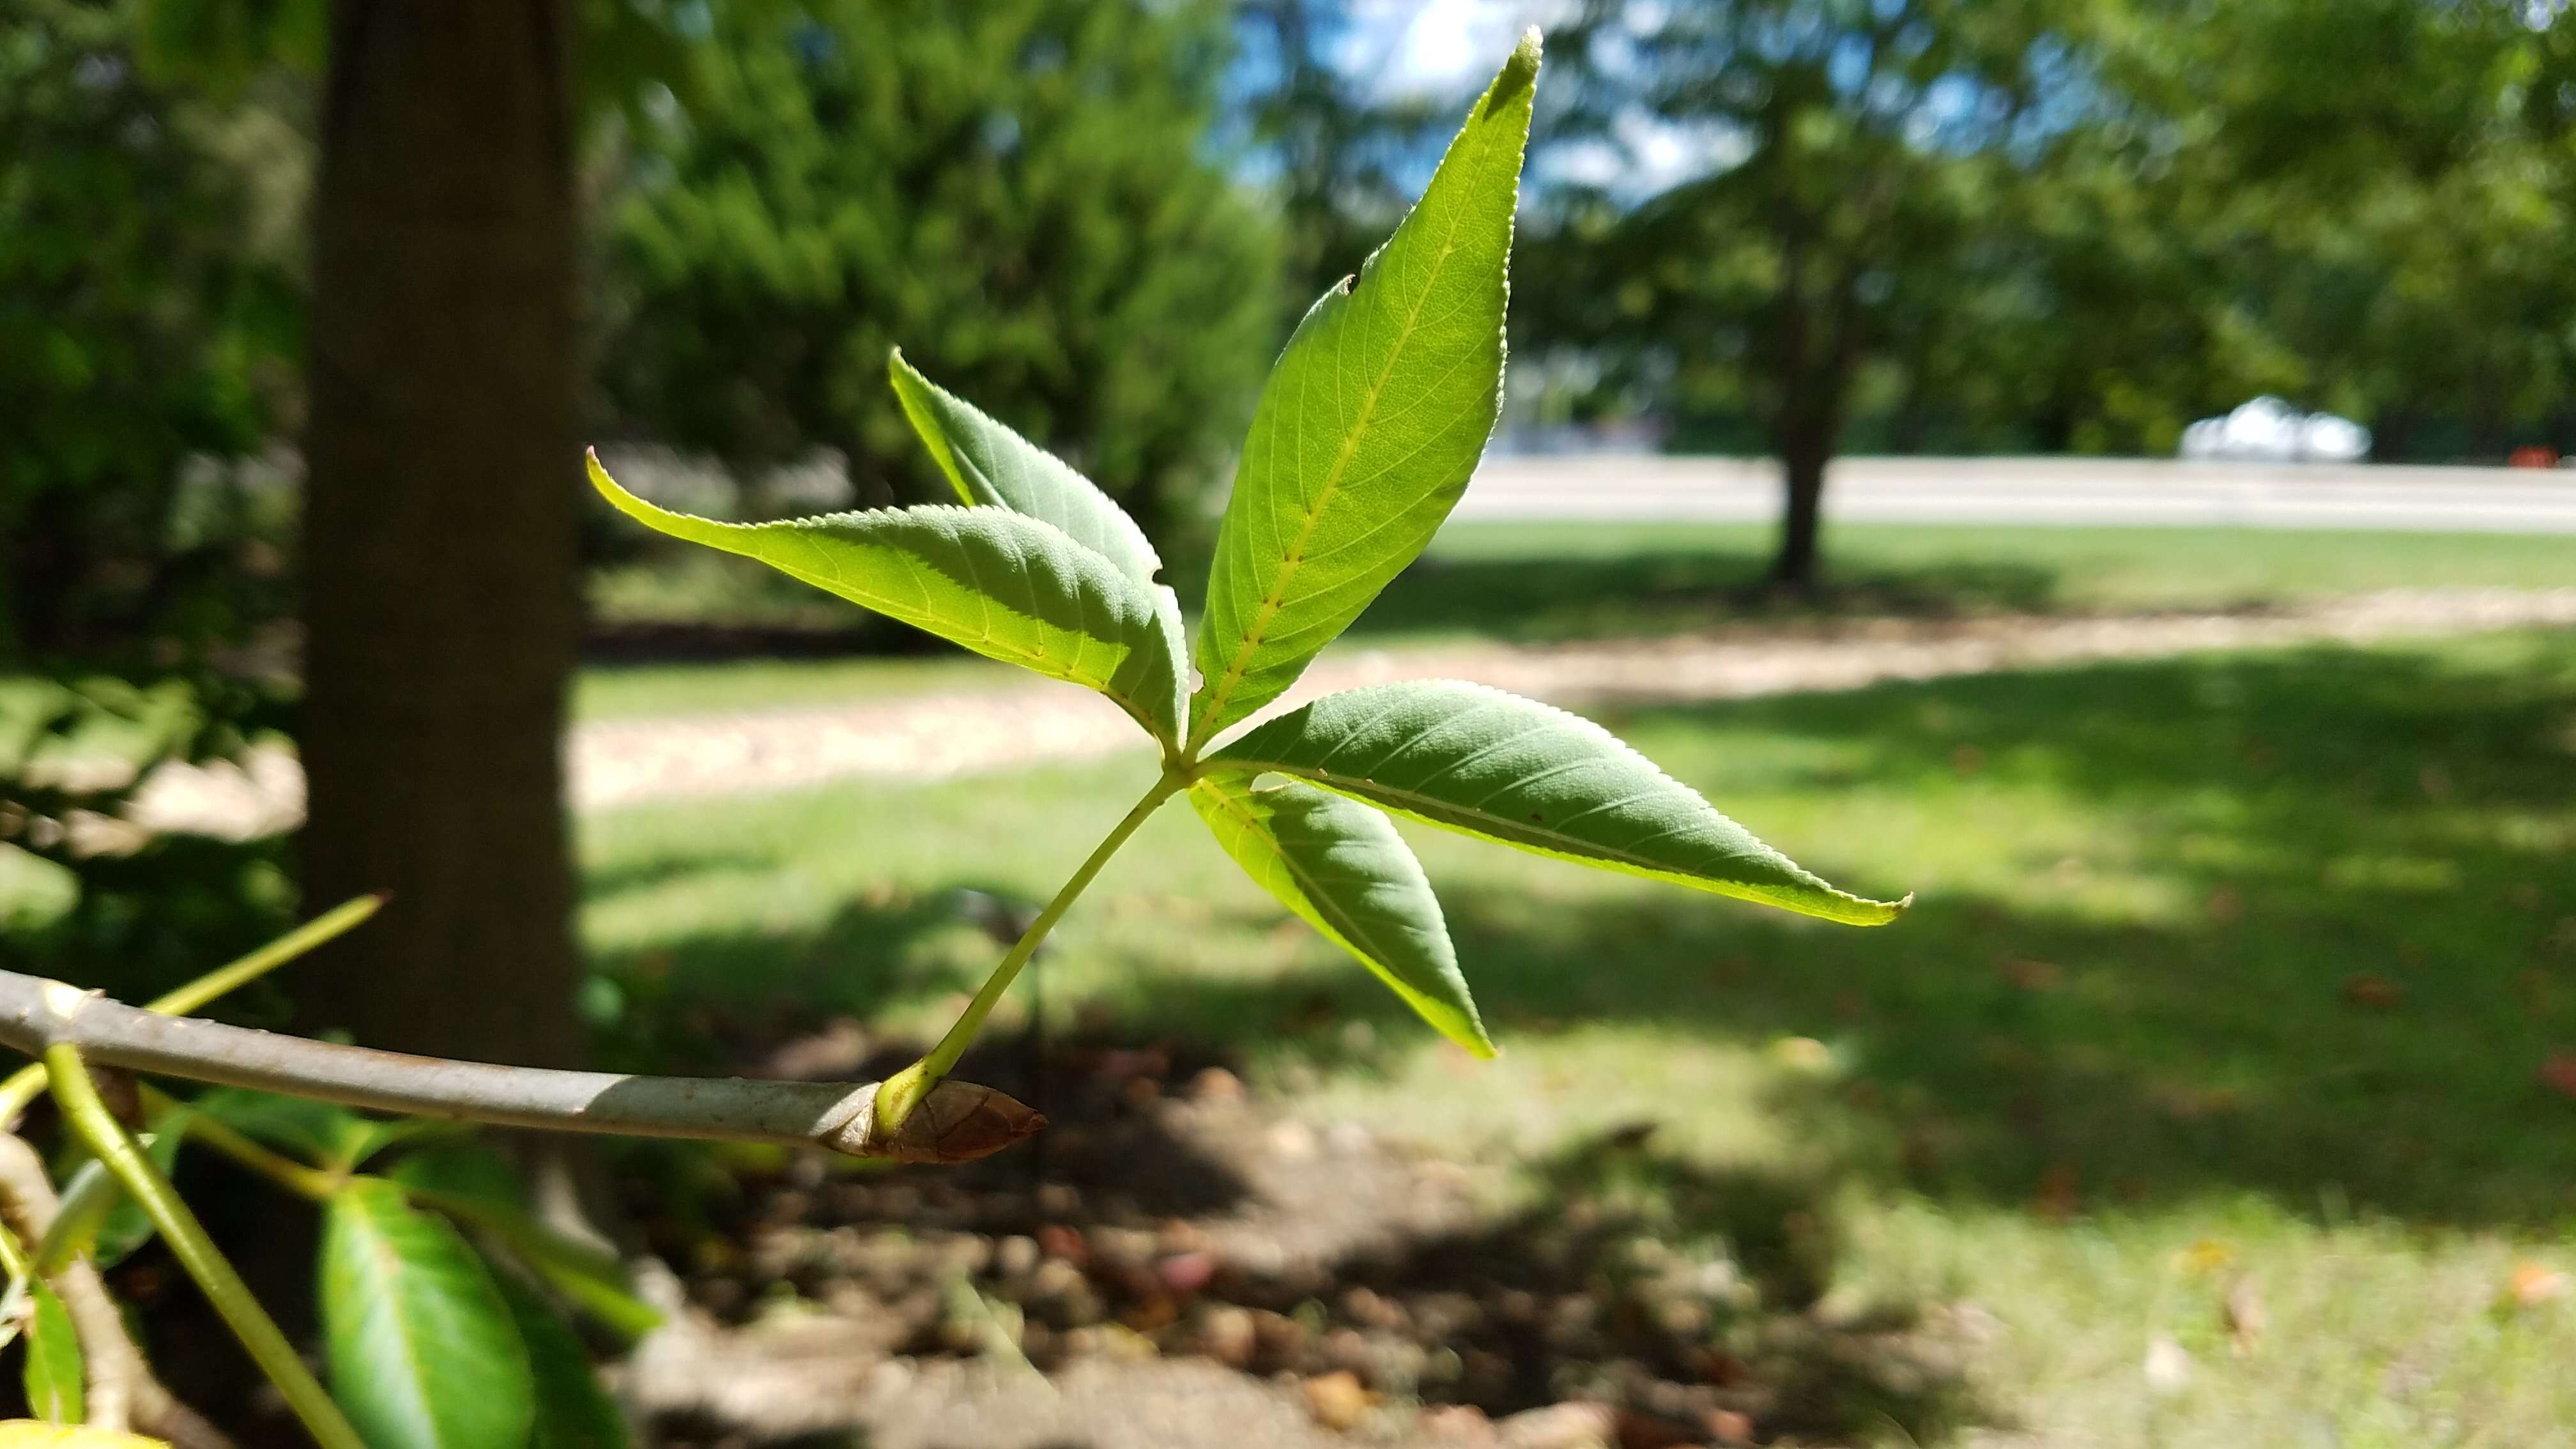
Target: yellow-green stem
column 28, row 1083
column 277, row 1167
column 89, row 1117
column 904, row 1090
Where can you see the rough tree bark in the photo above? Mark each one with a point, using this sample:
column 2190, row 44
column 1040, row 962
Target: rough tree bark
column 442, row 611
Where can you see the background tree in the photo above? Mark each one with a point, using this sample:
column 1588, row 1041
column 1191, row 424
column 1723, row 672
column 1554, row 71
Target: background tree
column 147, row 319
column 1858, row 146
column 1018, row 193
column 442, row 607
column 149, row 313
column 1341, row 160
column 2360, row 205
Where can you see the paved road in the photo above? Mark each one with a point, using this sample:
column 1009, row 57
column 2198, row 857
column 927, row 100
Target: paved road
column 2101, row 491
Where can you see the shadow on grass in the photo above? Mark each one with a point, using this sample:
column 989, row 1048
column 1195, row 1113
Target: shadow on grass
column 2323, row 951
column 2361, row 964
column 2358, row 955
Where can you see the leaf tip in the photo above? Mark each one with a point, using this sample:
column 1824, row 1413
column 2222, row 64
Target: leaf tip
column 1885, row 912
column 1518, row 73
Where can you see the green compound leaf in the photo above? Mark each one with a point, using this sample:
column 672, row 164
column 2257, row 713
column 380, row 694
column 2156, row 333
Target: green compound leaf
column 573, row 1411
column 53, row 1368
column 1341, row 866
column 1008, row 587
column 1370, row 423
column 1509, row 769
column 992, row 465
column 421, row 1347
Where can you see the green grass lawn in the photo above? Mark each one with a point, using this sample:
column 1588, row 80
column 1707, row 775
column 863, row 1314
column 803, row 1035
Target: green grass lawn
column 1554, row 581
column 1540, row 583
column 2222, row 967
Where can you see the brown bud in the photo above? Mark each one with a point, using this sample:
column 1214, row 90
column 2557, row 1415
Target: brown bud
column 956, row 1122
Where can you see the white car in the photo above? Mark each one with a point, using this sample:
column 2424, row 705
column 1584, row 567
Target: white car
column 2268, row 430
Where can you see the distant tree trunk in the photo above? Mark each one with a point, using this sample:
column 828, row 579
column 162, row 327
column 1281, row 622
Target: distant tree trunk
column 1806, row 428
column 442, row 611
column 1796, row 568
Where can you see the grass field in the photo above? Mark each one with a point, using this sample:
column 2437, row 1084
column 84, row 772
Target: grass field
column 1532, row 583
column 2230, row 977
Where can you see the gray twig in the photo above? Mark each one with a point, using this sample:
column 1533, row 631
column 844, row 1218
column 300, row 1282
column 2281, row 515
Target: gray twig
column 958, row 1122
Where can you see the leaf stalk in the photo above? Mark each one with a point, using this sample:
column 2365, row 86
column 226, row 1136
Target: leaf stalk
column 89, row 1117
column 904, row 1090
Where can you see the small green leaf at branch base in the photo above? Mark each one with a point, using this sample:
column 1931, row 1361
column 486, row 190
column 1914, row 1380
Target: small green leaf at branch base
column 97, row 1219
column 1508, row 769
column 1008, row 587
column 1371, row 422
column 53, row 1367
column 421, row 1346
column 1340, row 865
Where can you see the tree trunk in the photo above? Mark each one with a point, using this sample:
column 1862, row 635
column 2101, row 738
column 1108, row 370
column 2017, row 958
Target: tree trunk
column 442, row 609
column 1795, row 568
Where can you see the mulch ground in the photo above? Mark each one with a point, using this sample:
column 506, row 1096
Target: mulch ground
column 1178, row 1262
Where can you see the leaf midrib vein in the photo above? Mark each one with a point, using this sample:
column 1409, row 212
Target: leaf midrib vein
column 1245, row 645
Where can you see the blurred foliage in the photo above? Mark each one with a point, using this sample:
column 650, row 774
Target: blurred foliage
column 1018, row 193
column 149, row 316
column 1342, row 162
column 2073, row 225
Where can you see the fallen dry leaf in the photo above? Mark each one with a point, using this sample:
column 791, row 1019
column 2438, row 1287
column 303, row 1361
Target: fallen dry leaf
column 2558, row 1073
column 2242, row 1314
column 2206, row 1256
column 1338, row 1400
column 2056, row 1196
column 1648, row 1431
column 2027, row 974
column 2373, row 993
column 2532, row 1284
column 1461, row 1424
column 1727, row 1426
column 1570, row 1425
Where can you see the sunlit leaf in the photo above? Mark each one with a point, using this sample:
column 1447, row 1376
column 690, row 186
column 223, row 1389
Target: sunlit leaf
column 53, row 1366
column 990, row 464
column 23, row 1434
column 1508, row 769
column 1341, row 866
column 1370, row 423
column 422, row 1350
column 1007, row 586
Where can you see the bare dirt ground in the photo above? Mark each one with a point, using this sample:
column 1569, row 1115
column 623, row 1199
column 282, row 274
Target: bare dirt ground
column 1176, row 1263
column 933, row 736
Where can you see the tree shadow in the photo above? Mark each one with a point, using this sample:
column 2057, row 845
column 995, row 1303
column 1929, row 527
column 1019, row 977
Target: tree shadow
column 2352, row 982
column 1672, row 1288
